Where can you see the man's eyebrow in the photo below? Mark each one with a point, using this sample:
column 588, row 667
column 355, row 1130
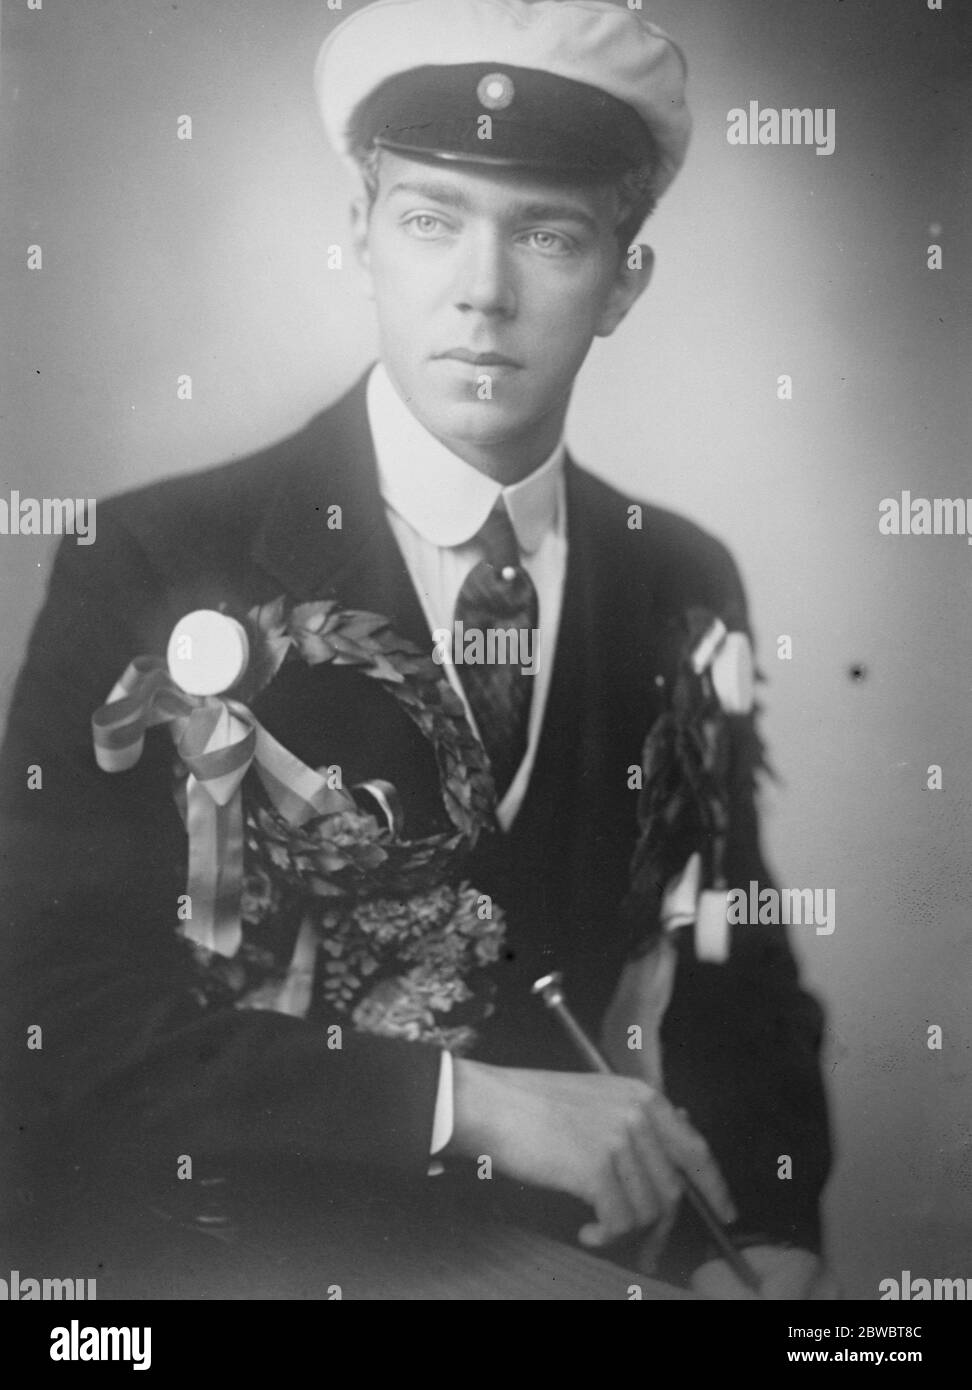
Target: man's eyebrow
column 435, row 192
column 555, row 212
column 529, row 211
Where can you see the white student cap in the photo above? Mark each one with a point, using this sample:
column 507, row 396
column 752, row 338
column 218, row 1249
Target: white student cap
column 582, row 88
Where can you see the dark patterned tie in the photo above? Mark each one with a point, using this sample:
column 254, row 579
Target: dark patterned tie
column 498, row 594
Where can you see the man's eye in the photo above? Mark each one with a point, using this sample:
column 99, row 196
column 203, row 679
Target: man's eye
column 424, row 224
column 551, row 243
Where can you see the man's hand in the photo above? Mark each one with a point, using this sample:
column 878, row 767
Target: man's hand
column 612, row 1141
column 787, row 1274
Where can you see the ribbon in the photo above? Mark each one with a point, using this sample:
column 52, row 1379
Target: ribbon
column 730, row 656
column 218, row 740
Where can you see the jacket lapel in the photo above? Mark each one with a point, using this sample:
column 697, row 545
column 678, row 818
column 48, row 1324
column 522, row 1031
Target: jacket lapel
column 356, row 560
column 328, row 714
column 603, row 695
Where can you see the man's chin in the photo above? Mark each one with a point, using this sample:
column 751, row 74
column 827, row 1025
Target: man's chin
column 476, row 422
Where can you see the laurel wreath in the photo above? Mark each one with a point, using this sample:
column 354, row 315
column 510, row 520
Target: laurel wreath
column 382, row 903
column 683, row 804
column 404, row 945
column 323, row 631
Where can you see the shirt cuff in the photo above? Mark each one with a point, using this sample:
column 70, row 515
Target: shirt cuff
column 443, row 1119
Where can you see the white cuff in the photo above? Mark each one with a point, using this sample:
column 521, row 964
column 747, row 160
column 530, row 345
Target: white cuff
column 443, row 1119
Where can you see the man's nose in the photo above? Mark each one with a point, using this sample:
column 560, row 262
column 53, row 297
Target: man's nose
column 485, row 276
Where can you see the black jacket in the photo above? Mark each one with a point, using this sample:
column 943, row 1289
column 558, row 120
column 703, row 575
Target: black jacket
column 132, row 1073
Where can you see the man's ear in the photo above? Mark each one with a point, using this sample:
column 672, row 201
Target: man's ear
column 360, row 214
column 631, row 280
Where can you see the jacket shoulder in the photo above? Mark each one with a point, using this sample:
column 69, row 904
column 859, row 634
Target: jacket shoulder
column 682, row 563
column 207, row 519
column 229, row 495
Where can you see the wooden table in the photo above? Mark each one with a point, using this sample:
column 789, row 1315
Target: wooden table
column 372, row 1255
column 488, row 1262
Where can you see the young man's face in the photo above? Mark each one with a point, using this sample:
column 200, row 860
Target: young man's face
column 490, row 286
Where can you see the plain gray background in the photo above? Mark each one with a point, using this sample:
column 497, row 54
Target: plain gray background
column 209, row 257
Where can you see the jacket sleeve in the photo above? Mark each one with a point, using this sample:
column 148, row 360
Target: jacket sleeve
column 742, row 1039
column 127, row 1070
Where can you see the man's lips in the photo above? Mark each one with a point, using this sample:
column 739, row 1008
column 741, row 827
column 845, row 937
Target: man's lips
column 478, row 359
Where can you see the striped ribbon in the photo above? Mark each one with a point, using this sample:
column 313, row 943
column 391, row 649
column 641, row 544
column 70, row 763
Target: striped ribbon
column 218, row 740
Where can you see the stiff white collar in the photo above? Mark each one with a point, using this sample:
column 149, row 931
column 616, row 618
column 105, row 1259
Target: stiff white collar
column 441, row 496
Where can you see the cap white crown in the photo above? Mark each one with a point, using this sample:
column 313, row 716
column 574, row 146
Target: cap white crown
column 592, row 41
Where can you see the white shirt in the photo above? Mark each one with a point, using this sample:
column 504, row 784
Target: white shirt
column 436, row 504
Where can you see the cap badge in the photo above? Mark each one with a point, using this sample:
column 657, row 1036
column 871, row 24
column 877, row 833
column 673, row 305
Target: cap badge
column 496, row 91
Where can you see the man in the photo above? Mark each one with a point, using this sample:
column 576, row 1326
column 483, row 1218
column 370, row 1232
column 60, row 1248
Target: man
column 509, row 154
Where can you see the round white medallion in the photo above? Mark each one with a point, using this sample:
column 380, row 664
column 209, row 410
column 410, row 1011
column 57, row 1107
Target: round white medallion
column 207, row 652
